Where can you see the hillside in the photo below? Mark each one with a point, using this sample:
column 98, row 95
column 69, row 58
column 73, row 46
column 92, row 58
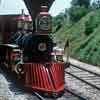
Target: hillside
column 83, row 47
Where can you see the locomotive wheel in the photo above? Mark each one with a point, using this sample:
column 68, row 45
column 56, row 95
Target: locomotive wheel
column 52, row 94
column 57, row 95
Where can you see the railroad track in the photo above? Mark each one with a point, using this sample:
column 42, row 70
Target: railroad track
column 20, row 93
column 39, row 96
column 83, row 82
column 68, row 95
column 14, row 91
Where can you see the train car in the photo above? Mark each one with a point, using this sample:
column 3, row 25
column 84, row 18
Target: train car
column 33, row 58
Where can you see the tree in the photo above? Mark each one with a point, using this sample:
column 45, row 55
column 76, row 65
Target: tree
column 85, row 3
column 76, row 13
column 92, row 23
column 78, row 9
column 58, row 21
column 96, row 4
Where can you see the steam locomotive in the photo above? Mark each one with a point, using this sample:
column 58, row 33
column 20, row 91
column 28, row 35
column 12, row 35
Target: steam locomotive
column 33, row 57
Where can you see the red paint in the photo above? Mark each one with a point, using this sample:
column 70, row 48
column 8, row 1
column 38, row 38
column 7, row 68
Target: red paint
column 39, row 77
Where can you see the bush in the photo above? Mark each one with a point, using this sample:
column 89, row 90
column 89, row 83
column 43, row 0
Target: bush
column 92, row 23
column 76, row 13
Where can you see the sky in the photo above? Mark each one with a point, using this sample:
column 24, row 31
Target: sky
column 12, row 7
column 15, row 6
column 59, row 6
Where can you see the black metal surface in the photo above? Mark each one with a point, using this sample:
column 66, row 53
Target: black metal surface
column 34, row 6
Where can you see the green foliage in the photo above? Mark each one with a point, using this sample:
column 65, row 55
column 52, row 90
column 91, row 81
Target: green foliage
column 83, row 46
column 89, row 26
column 76, row 13
column 92, row 23
column 84, row 3
column 58, row 22
column 78, row 9
column 96, row 4
column 90, row 53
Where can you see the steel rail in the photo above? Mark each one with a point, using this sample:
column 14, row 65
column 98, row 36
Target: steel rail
column 92, row 85
column 76, row 95
column 86, row 70
column 39, row 96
